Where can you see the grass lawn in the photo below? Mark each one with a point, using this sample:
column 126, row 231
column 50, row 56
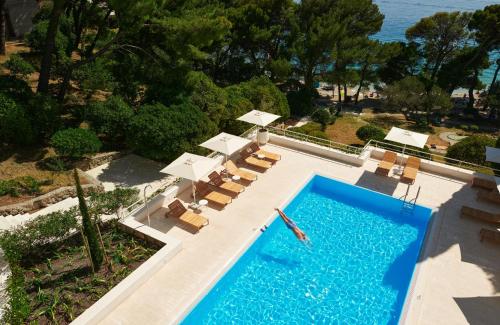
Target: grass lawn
column 344, row 130
column 345, row 127
column 60, row 284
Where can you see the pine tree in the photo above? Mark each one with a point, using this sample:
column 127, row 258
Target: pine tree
column 88, row 227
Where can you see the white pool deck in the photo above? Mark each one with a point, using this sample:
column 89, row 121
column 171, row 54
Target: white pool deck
column 458, row 280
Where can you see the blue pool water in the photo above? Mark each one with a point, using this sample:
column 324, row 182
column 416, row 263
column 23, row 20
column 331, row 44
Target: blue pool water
column 358, row 270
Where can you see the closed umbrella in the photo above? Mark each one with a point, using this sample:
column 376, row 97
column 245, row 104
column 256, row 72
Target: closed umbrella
column 192, row 167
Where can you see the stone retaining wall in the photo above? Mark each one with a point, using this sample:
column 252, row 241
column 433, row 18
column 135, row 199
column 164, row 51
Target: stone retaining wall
column 52, row 197
column 98, row 159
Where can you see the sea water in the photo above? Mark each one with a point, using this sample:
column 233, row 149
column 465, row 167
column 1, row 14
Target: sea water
column 399, row 15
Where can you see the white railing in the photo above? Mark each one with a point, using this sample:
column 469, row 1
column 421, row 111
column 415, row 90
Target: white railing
column 312, row 139
column 432, row 157
column 377, row 144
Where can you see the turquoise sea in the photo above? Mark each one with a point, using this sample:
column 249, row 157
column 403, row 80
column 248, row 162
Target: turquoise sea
column 401, row 14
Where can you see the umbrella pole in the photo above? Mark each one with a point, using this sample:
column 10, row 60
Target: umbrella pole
column 194, row 191
column 402, row 157
column 225, row 167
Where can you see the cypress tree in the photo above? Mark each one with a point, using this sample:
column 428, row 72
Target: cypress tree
column 88, row 227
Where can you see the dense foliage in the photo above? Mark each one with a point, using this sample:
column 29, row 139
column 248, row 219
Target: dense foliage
column 154, row 132
column 27, row 238
column 74, row 143
column 107, row 64
column 110, row 117
column 471, row 149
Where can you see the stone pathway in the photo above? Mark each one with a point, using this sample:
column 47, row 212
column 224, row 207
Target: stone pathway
column 451, row 137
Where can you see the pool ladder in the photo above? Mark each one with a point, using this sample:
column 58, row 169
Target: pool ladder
column 409, row 205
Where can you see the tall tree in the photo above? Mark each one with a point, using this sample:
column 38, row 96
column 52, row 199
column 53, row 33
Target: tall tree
column 373, row 56
column 318, row 29
column 3, row 27
column 485, row 27
column 405, row 63
column 130, row 17
column 262, row 30
column 89, row 230
column 46, row 62
column 439, row 37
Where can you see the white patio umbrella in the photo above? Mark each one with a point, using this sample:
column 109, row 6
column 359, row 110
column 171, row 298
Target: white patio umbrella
column 406, row 137
column 493, row 155
column 192, row 167
column 225, row 143
column 258, row 118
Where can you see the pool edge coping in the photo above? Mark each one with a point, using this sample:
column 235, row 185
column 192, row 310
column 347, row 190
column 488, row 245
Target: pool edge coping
column 179, row 317
column 428, row 243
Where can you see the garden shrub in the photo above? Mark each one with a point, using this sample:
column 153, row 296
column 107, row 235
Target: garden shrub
column 55, row 164
column 25, row 240
column 164, row 133
column 9, row 187
column 474, row 128
column 471, row 149
column 313, row 129
column 369, row 132
column 21, row 185
column 322, row 116
column 110, row 117
column 18, row 307
column 109, row 202
column 45, row 115
column 74, row 143
column 19, row 67
column 15, row 127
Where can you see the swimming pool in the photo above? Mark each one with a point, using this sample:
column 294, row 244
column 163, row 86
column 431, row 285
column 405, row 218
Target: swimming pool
column 358, row 270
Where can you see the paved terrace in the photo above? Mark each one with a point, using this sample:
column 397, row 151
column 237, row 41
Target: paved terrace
column 458, row 281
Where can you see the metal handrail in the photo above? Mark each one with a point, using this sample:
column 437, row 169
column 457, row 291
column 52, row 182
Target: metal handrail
column 315, row 140
column 430, row 156
column 414, row 200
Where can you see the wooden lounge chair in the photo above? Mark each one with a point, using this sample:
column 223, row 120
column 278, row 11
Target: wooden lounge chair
column 204, row 191
column 254, row 162
column 489, row 234
column 411, row 169
column 480, row 215
column 491, row 196
column 235, row 171
column 271, row 156
column 186, row 217
column 384, row 167
column 216, row 180
column 483, row 183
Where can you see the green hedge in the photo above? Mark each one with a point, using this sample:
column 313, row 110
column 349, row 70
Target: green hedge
column 369, row 132
column 471, row 149
column 74, row 143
